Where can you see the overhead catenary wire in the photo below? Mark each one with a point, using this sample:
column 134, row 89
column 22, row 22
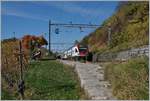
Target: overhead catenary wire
column 70, row 25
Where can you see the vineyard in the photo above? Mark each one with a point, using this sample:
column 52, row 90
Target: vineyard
column 47, row 79
column 11, row 57
column 10, row 65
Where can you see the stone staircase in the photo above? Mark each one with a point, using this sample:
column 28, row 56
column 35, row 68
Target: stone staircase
column 91, row 78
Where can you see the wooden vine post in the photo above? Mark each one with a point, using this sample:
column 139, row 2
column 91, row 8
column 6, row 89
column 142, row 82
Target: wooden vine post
column 21, row 85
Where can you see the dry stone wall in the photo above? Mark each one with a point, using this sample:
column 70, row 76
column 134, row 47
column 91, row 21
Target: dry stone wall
column 123, row 55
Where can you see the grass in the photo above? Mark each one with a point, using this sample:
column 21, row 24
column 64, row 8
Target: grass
column 49, row 80
column 130, row 79
column 6, row 95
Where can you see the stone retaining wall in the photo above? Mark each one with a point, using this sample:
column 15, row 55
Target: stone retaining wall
column 123, row 55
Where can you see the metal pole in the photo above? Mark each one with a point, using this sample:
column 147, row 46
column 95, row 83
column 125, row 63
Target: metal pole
column 45, row 38
column 49, row 36
column 14, row 34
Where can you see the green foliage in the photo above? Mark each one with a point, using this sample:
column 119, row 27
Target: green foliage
column 51, row 80
column 47, row 80
column 6, row 95
column 43, row 80
column 85, row 40
column 130, row 24
column 129, row 80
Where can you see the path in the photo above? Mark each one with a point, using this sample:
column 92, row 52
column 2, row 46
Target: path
column 91, row 77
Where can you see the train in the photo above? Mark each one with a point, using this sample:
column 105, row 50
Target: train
column 76, row 52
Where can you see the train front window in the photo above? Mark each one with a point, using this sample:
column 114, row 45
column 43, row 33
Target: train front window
column 82, row 49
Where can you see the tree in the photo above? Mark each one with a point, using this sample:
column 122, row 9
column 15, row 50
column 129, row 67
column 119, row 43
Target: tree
column 34, row 41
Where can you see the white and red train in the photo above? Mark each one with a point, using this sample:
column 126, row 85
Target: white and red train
column 76, row 52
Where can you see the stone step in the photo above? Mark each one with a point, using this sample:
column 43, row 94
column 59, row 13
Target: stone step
column 91, row 78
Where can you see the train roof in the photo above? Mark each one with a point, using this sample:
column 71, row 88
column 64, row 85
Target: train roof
column 81, row 45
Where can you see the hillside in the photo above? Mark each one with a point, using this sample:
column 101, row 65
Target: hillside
column 129, row 28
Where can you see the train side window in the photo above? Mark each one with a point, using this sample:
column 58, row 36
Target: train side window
column 76, row 50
